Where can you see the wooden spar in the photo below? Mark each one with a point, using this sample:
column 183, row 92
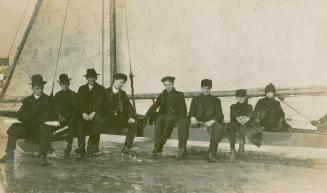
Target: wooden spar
column 255, row 92
column 113, row 41
column 21, row 46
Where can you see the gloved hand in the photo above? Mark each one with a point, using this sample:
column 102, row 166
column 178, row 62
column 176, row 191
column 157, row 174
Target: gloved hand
column 208, row 124
column 131, row 120
column 53, row 123
column 85, row 117
column 91, row 116
column 194, row 122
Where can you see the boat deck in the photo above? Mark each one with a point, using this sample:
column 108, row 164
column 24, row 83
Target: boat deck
column 267, row 169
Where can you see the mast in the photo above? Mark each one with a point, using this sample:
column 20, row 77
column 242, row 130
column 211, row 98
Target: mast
column 113, row 40
column 21, row 46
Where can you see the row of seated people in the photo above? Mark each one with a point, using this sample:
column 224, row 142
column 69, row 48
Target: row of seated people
column 94, row 110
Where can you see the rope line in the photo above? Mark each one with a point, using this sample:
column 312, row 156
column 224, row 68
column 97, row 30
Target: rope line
column 59, row 51
column 20, row 23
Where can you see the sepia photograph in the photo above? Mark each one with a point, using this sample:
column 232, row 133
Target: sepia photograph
column 163, row 96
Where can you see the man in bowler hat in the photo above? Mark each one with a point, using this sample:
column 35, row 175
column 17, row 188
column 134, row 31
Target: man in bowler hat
column 118, row 112
column 240, row 121
column 172, row 109
column 66, row 102
column 90, row 97
column 37, row 122
column 205, row 111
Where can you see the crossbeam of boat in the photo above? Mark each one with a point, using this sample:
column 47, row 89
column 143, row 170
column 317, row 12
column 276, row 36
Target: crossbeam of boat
column 254, row 92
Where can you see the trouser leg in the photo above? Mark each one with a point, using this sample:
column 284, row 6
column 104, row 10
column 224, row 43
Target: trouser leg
column 217, row 131
column 132, row 128
column 70, row 136
column 46, row 133
column 158, row 131
column 82, row 133
column 169, row 124
column 232, row 130
column 15, row 132
column 183, row 132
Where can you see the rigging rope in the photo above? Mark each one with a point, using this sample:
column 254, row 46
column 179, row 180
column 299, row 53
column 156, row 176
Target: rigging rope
column 62, row 33
column 102, row 54
column 20, row 23
column 298, row 112
column 129, row 57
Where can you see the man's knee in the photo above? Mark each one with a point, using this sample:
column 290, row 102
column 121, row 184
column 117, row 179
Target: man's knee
column 217, row 129
column 46, row 130
column 14, row 129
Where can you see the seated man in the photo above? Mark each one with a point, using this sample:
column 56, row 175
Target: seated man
column 205, row 111
column 240, row 121
column 38, row 121
column 66, row 103
column 269, row 113
column 172, row 108
column 118, row 113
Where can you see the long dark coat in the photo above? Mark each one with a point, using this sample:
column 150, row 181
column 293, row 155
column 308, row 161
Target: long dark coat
column 35, row 112
column 178, row 107
column 90, row 100
column 201, row 113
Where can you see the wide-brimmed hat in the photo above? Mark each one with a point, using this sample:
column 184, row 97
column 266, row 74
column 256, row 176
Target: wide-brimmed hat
column 91, row 73
column 37, row 80
column 63, row 78
column 120, row 76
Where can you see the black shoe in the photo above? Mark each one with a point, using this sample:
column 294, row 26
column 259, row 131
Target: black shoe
column 43, row 161
column 78, row 151
column 156, row 152
column 182, row 153
column 211, row 157
column 7, row 158
column 126, row 150
column 92, row 150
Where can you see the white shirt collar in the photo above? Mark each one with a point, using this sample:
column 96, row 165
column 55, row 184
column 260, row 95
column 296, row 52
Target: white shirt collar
column 36, row 97
column 114, row 90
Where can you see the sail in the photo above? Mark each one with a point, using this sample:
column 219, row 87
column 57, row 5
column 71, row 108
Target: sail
column 236, row 44
column 81, row 45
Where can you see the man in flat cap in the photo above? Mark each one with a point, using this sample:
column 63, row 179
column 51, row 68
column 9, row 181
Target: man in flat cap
column 90, row 98
column 172, row 109
column 240, row 121
column 118, row 112
column 268, row 111
column 205, row 111
column 66, row 102
column 37, row 122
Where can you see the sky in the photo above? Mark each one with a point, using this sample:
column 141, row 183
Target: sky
column 238, row 44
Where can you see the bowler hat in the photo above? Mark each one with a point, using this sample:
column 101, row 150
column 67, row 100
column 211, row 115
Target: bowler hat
column 270, row 88
column 91, row 73
column 37, row 80
column 168, row 78
column 63, row 78
column 240, row 93
column 120, row 76
column 206, row 82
